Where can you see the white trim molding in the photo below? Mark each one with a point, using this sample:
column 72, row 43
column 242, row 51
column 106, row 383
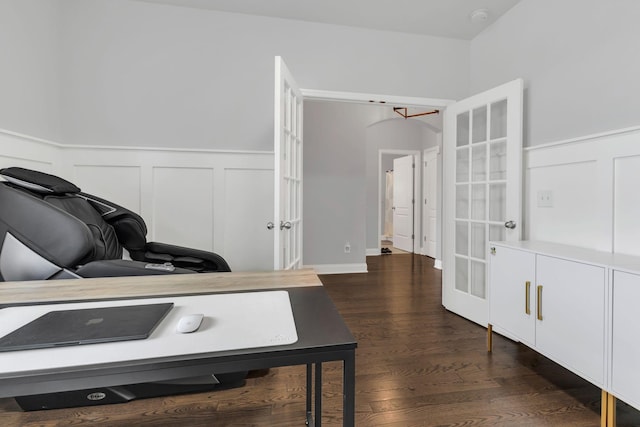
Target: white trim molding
column 373, row 251
column 369, row 98
column 581, row 139
column 339, row 268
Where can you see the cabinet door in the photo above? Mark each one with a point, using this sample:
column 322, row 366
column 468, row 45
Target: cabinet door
column 512, row 278
column 625, row 355
column 571, row 305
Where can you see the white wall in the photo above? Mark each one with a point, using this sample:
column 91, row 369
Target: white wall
column 140, row 74
column 30, row 67
column 335, row 183
column 579, row 61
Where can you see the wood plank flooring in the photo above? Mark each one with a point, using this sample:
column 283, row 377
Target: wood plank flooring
column 416, row 365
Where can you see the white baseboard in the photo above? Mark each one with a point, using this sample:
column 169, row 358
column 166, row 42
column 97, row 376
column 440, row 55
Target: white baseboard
column 339, row 268
column 437, row 264
column 373, row 251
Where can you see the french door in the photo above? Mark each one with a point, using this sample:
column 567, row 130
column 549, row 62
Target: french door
column 482, row 191
column 287, row 223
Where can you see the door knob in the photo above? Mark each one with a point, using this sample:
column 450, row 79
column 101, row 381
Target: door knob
column 510, row 225
column 270, row 225
column 284, row 225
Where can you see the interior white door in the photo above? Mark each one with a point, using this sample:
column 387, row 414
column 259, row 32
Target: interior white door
column 403, row 168
column 287, row 222
column 430, row 196
column 482, row 191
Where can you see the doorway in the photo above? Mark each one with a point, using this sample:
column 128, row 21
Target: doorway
column 399, row 188
column 341, row 176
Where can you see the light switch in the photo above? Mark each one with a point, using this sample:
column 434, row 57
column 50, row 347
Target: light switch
column 545, row 199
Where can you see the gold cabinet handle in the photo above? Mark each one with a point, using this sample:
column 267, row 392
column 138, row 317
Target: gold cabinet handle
column 539, row 302
column 527, row 303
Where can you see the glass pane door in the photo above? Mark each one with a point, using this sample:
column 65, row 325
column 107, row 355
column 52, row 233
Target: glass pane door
column 480, row 191
column 287, row 224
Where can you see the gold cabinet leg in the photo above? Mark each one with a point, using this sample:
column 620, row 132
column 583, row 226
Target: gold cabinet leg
column 490, row 338
column 611, row 411
column 604, row 401
column 608, row 410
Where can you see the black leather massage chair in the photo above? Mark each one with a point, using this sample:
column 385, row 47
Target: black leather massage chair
column 50, row 229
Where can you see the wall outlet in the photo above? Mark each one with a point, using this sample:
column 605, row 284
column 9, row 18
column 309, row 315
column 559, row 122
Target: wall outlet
column 545, row 199
column 347, row 248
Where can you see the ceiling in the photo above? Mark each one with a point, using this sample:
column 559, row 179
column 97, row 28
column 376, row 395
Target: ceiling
column 443, row 18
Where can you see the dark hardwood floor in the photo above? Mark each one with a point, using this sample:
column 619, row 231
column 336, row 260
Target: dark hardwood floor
column 416, row 365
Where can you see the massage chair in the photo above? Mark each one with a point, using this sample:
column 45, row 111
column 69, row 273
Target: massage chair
column 51, row 230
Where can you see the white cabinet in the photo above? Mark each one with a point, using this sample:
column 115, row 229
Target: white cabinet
column 625, row 338
column 571, row 305
column 512, row 274
column 576, row 306
column 554, row 305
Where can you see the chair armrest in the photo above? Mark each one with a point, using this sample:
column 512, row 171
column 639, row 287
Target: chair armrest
column 120, row 267
column 191, row 259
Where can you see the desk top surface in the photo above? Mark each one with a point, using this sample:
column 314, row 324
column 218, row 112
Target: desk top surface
column 232, row 321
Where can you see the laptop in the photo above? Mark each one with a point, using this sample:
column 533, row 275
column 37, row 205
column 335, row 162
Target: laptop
column 87, row 326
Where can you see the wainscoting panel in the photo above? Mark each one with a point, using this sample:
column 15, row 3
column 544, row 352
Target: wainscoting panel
column 22, row 151
column 593, row 183
column 574, row 218
column 119, row 184
column 248, row 208
column 626, row 229
column 183, row 207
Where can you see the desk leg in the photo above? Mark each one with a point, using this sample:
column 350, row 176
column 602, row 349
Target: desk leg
column 349, row 390
column 318, row 393
column 309, row 420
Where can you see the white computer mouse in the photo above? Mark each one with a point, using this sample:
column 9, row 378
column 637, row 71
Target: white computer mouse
column 189, row 323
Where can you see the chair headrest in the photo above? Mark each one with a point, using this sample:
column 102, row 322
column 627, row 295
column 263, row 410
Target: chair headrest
column 38, row 182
